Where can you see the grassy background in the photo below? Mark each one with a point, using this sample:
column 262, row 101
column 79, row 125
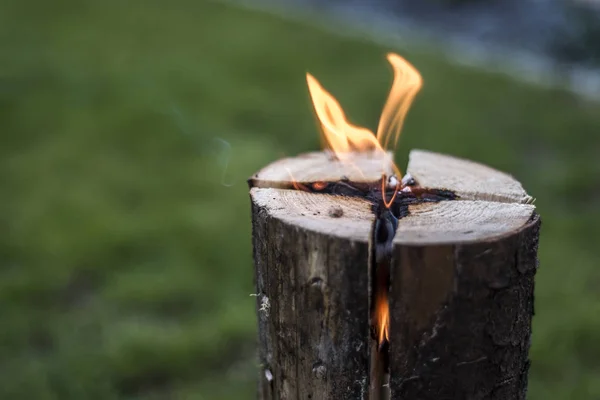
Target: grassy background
column 125, row 259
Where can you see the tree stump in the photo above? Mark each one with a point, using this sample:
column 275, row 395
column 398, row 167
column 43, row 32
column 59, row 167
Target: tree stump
column 458, row 275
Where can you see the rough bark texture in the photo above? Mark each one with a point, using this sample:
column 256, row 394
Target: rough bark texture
column 461, row 318
column 312, row 300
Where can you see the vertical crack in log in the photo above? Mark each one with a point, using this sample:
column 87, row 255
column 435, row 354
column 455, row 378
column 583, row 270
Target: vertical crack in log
column 383, row 231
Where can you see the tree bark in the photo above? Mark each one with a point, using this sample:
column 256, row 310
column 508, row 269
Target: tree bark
column 460, row 283
column 312, row 292
column 461, row 317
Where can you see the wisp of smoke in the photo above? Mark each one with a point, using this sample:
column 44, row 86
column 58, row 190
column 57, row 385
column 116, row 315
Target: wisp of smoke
column 223, row 157
column 221, row 147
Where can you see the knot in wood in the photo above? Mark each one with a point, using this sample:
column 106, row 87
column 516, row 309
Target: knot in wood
column 335, row 212
column 316, row 282
column 319, row 370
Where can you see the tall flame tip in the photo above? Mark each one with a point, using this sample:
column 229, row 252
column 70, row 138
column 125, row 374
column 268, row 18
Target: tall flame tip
column 393, row 56
column 342, row 137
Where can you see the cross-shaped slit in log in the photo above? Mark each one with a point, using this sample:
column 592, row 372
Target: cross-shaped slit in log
column 460, row 278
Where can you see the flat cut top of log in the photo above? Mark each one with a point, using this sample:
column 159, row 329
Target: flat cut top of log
column 322, row 166
column 461, row 221
column 491, row 204
column 351, row 218
column 468, row 179
column 347, row 217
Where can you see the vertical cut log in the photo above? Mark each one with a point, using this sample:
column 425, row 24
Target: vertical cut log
column 460, row 292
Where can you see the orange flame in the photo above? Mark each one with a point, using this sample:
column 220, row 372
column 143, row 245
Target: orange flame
column 297, row 185
column 343, row 138
column 406, row 85
column 382, row 318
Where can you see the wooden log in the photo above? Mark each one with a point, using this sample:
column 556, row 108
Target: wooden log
column 460, row 286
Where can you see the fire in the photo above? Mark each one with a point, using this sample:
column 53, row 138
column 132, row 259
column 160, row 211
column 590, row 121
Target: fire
column 382, row 317
column 297, row 185
column 343, row 138
column 406, row 85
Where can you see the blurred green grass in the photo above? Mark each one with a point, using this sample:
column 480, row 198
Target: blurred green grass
column 125, row 259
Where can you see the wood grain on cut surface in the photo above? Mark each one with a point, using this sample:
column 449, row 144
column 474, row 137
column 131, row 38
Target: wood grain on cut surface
column 427, row 223
column 340, row 216
column 323, row 167
column 469, row 180
column 460, row 221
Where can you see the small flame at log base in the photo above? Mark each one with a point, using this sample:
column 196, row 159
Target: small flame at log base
column 383, row 232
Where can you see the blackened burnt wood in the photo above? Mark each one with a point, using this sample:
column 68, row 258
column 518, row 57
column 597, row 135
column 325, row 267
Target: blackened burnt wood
column 460, row 286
